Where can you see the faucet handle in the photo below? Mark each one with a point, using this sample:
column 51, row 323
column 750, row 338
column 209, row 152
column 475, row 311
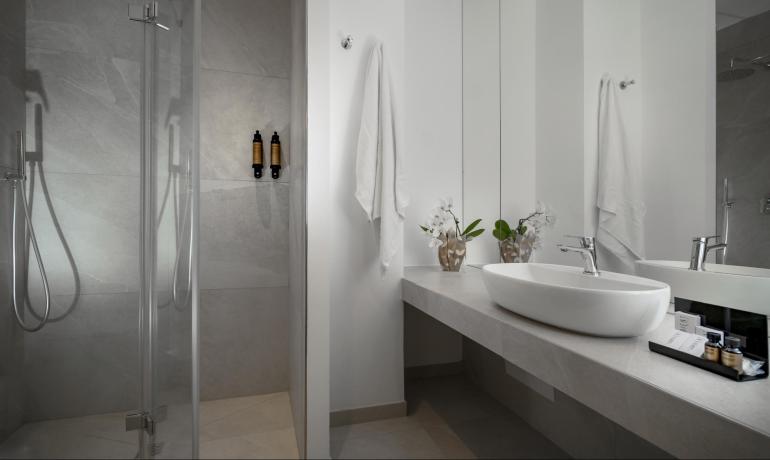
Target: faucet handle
column 586, row 242
column 705, row 239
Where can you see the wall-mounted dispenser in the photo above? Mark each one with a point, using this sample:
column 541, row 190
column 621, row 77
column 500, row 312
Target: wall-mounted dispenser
column 256, row 155
column 275, row 155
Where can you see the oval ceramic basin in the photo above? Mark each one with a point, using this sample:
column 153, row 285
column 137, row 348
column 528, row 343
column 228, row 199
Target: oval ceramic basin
column 744, row 288
column 610, row 305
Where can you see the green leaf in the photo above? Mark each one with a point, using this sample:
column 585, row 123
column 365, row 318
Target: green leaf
column 522, row 230
column 424, row 228
column 471, row 227
column 502, row 230
column 474, row 234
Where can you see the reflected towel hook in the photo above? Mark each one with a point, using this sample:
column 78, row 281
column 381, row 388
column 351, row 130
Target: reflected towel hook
column 347, row 42
column 626, row 83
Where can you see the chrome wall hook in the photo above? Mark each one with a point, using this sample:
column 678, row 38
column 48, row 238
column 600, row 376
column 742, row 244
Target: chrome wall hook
column 347, row 42
column 626, row 83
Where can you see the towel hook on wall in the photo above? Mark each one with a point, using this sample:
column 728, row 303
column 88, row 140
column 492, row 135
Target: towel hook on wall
column 347, row 42
column 626, row 83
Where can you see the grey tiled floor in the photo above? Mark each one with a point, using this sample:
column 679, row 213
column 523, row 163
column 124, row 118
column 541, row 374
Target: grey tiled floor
column 448, row 418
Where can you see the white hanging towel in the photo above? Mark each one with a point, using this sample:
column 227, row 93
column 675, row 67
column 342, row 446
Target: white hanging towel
column 619, row 194
column 379, row 161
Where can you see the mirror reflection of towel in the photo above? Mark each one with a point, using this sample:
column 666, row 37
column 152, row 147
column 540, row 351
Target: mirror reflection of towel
column 380, row 187
column 619, row 194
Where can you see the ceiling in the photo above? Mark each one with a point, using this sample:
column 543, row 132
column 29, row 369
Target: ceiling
column 728, row 12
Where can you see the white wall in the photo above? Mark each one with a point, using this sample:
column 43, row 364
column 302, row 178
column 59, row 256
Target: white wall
column 433, row 138
column 559, row 116
column 481, row 123
column 433, row 116
column 678, row 41
column 517, row 67
column 366, row 309
column 611, row 42
column 318, row 205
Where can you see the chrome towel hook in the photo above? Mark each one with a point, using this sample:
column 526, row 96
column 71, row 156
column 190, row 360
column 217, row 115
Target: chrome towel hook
column 626, row 83
column 347, row 42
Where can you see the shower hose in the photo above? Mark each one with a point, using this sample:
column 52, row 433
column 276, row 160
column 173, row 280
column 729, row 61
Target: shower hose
column 17, row 186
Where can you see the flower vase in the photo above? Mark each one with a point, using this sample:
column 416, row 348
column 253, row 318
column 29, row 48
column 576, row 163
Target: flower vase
column 451, row 253
column 518, row 249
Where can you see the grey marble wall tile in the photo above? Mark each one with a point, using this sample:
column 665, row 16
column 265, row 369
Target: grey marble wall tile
column 99, row 220
column 12, row 68
column 88, row 119
column 233, row 106
column 244, row 234
column 86, row 363
column 743, row 143
column 244, row 341
column 247, row 36
column 750, row 29
column 93, row 27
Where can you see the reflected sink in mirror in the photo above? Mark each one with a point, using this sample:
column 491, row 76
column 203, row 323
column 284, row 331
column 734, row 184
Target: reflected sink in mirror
column 609, row 305
column 733, row 286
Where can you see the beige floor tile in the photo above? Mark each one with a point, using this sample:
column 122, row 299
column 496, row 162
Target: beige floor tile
column 249, row 427
column 214, row 410
column 234, row 448
column 448, row 442
column 274, row 444
column 409, row 443
column 270, row 414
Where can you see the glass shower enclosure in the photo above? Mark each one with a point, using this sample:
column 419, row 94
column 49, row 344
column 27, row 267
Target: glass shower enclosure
column 99, row 205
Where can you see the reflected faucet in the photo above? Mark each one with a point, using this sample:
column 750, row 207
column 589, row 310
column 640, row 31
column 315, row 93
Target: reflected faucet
column 701, row 249
column 587, row 249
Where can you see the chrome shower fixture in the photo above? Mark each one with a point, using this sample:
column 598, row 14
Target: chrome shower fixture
column 17, row 181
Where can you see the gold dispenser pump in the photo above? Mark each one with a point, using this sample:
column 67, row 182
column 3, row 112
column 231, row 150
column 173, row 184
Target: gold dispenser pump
column 256, row 154
column 275, row 155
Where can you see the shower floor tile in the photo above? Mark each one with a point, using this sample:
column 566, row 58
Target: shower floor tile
column 249, row 427
column 96, row 436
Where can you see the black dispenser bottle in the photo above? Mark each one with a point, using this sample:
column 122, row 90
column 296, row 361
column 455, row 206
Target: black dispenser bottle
column 275, row 156
column 256, row 153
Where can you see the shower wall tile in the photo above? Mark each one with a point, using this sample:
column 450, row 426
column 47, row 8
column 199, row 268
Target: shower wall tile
column 233, row 106
column 743, row 118
column 244, row 341
column 93, row 27
column 247, row 36
column 12, row 58
column 86, row 362
column 750, row 29
column 244, row 234
column 84, row 114
column 99, row 221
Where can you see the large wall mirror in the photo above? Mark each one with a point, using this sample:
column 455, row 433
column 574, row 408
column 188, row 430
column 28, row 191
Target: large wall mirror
column 694, row 120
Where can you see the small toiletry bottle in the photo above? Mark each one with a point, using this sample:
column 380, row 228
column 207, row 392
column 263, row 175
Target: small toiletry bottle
column 256, row 154
column 731, row 354
column 275, row 155
column 712, row 349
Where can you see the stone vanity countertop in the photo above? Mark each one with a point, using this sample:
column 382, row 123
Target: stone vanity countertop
column 687, row 411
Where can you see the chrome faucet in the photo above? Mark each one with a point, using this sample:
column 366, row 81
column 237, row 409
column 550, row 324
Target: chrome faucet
column 587, row 249
column 701, row 249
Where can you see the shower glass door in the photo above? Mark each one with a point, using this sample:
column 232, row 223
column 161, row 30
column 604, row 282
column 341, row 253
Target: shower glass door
column 108, row 110
column 168, row 212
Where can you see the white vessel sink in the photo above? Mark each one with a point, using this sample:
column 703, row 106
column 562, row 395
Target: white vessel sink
column 610, row 305
column 744, row 288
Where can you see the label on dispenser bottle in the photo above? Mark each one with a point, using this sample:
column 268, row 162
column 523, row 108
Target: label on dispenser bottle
column 256, row 153
column 275, row 154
